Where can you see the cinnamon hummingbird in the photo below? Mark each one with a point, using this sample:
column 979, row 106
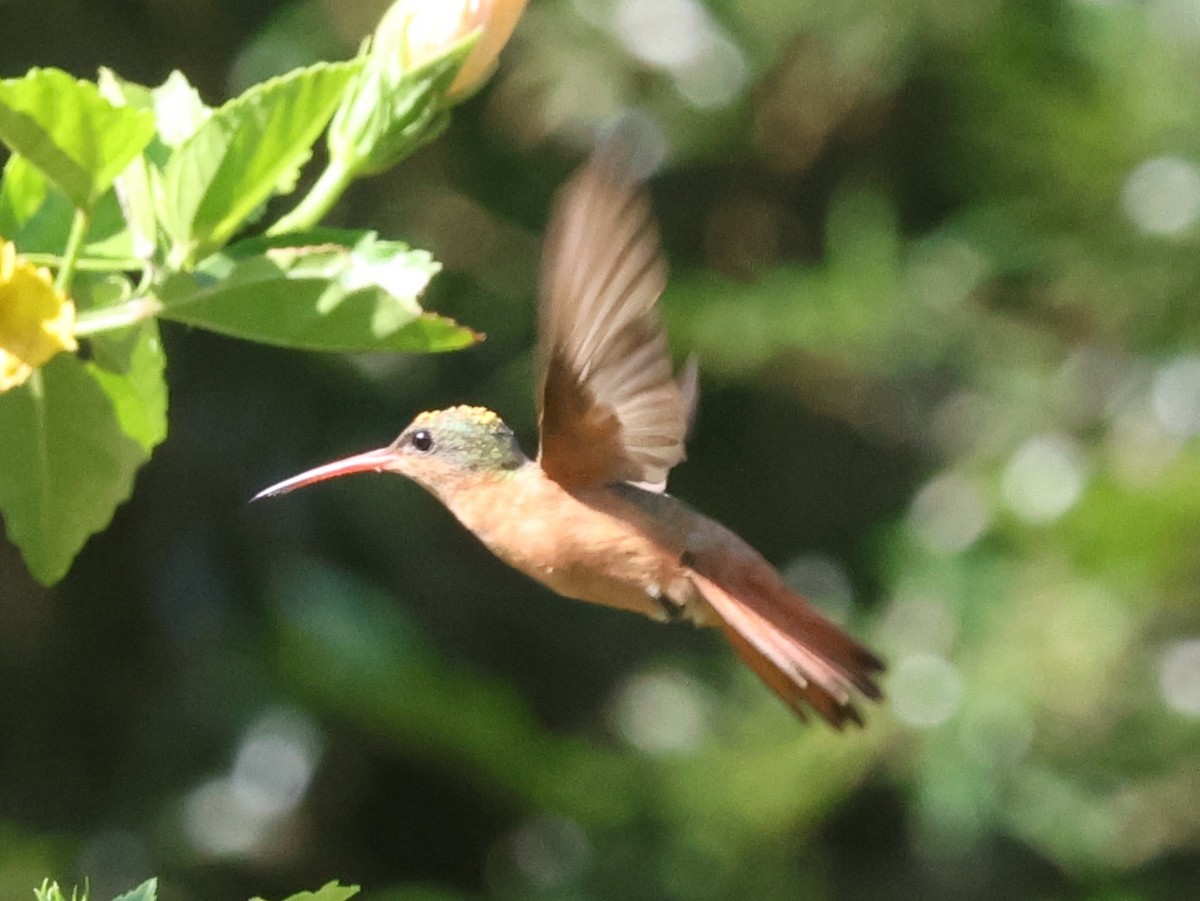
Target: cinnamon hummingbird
column 589, row 516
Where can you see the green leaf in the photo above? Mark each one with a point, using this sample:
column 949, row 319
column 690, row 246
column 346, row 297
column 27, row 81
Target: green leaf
column 71, row 441
column 93, row 292
column 23, row 191
column 135, row 385
column 331, row 891
column 133, row 184
column 178, row 113
column 65, row 128
column 248, row 150
column 318, row 297
column 147, row 891
column 50, row 891
column 37, row 217
column 389, row 111
column 178, row 110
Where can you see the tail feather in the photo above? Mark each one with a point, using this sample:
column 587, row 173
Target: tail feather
column 801, row 656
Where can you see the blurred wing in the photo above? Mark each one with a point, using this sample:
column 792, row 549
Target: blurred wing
column 609, row 408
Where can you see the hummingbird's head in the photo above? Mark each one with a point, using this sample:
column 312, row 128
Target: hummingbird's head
column 442, row 443
column 439, row 450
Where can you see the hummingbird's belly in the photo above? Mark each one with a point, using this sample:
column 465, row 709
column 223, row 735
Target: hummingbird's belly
column 596, row 547
column 595, row 556
column 617, row 570
column 640, row 588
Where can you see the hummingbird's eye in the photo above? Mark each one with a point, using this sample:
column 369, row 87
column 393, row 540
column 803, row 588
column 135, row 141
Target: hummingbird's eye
column 421, row 441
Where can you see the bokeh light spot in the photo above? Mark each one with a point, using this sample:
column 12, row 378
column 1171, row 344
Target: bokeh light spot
column 1176, row 21
column 1176, row 396
column 917, row 622
column 549, row 850
column 967, row 422
column 1139, row 448
column 663, row 33
column 1162, row 195
column 999, row 733
column 275, row 762
column 663, row 711
column 681, row 38
column 946, row 274
column 716, row 77
column 218, row 825
column 926, row 690
column 949, row 514
column 1179, row 676
column 234, row 815
column 823, row 581
column 1044, row 478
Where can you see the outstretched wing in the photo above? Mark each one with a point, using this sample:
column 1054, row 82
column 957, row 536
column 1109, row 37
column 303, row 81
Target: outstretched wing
column 609, row 408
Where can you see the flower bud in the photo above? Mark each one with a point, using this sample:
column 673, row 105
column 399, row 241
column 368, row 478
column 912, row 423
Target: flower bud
column 431, row 27
column 425, row 56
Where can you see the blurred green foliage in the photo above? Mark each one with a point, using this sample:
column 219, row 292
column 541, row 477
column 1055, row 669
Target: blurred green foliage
column 939, row 261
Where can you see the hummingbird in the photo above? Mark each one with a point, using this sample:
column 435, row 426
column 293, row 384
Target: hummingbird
column 589, row 516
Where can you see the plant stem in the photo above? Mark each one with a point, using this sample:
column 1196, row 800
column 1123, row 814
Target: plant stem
column 319, row 200
column 66, row 272
column 86, row 264
column 123, row 315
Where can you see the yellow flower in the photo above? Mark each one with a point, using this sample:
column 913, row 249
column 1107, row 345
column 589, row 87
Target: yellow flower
column 36, row 319
column 433, row 26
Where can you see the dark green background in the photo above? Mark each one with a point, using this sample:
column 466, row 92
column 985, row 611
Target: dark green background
column 939, row 261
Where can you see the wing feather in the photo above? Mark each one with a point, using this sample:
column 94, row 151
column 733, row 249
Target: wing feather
column 609, row 408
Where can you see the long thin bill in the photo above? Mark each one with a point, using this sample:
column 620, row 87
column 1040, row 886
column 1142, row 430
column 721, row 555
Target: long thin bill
column 371, row 461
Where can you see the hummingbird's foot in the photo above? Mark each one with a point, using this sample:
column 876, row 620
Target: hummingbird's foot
column 671, row 610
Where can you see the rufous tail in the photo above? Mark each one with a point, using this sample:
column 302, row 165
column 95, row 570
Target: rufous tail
column 803, row 657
